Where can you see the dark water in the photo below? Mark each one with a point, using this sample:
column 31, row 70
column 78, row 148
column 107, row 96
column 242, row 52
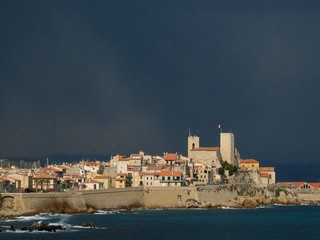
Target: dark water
column 276, row 222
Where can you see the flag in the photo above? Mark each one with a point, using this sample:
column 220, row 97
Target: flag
column 219, row 126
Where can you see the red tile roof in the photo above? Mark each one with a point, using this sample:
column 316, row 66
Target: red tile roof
column 170, row 173
column 170, row 156
column 266, row 169
column 314, row 185
column 92, row 164
column 249, row 161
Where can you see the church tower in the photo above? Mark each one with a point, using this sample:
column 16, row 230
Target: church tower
column 193, row 143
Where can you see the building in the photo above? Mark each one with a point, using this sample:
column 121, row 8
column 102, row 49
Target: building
column 151, row 179
column 208, row 156
column 170, row 159
column 121, row 180
column 227, row 148
column 301, row 185
column 171, row 178
column 5, row 185
column 22, row 181
column 44, row 182
column 93, row 184
column 249, row 164
column 107, row 182
column 268, row 175
column 193, row 143
column 205, row 175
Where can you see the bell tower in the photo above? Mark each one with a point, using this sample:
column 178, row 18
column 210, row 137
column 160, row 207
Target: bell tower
column 193, row 143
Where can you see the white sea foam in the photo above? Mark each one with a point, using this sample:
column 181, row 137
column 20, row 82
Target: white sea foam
column 82, row 227
column 33, row 218
column 103, row 212
column 265, row 206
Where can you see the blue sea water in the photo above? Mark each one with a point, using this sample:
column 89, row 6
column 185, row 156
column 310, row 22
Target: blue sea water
column 274, row 222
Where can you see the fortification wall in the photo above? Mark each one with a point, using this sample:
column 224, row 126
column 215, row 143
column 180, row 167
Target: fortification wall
column 62, row 202
column 309, row 196
column 169, row 197
column 115, row 198
column 148, row 197
column 216, row 195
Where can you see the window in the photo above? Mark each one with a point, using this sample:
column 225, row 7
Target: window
column 193, row 145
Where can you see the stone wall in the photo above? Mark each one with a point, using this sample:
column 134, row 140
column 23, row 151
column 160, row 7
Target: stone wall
column 50, row 202
column 233, row 195
column 212, row 196
column 114, row 198
column 169, row 197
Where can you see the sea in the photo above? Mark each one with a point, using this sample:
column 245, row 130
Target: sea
column 272, row 222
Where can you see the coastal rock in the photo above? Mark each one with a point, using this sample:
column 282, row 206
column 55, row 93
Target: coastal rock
column 250, row 203
column 90, row 211
column 41, row 226
column 285, row 197
column 90, row 225
column 243, row 202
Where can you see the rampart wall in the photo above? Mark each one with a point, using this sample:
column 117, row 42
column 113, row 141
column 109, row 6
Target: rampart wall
column 147, row 197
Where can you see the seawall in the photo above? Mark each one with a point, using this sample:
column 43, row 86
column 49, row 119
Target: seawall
column 147, row 197
column 234, row 195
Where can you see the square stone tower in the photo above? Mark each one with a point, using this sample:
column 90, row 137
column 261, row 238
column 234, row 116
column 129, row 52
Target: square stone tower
column 227, row 147
column 193, row 143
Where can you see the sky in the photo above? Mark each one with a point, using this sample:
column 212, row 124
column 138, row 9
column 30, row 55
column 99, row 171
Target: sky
column 109, row 77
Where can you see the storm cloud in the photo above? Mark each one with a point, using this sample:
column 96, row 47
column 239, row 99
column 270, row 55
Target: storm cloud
column 119, row 77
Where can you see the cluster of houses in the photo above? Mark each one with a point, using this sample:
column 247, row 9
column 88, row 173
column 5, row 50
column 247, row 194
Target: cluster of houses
column 135, row 170
column 202, row 166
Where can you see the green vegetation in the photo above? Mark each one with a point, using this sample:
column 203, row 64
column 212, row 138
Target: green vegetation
column 129, row 180
column 227, row 166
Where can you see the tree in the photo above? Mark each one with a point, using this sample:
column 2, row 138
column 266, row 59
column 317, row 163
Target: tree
column 227, row 166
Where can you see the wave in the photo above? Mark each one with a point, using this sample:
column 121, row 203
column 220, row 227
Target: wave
column 33, row 218
column 82, row 227
column 104, row 212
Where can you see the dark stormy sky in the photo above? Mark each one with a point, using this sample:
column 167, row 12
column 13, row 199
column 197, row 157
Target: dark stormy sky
column 109, row 77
